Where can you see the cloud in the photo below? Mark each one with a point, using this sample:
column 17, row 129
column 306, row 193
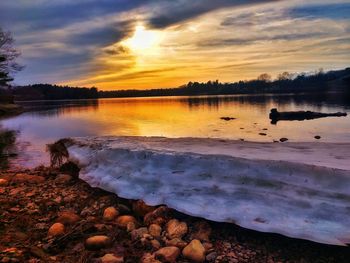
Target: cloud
column 328, row 10
column 177, row 11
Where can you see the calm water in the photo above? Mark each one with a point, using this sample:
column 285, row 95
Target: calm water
column 175, row 117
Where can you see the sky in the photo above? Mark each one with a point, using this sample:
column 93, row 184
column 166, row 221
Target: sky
column 134, row 44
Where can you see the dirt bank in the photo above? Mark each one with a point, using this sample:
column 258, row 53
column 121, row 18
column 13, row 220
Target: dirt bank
column 47, row 215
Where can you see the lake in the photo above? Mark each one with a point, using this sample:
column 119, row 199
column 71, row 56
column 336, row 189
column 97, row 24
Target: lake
column 48, row 121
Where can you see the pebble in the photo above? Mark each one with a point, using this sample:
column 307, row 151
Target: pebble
column 149, row 258
column 317, row 137
column 68, row 217
column 168, row 254
column 138, row 233
column 97, row 242
column 283, row 139
column 110, row 213
column 155, row 244
column 194, row 251
column 3, row 182
column 175, row 228
column 155, row 230
column 111, row 258
column 56, row 229
column 123, row 221
column 177, row 242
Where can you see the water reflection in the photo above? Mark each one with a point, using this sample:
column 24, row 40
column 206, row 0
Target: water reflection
column 178, row 117
column 56, row 108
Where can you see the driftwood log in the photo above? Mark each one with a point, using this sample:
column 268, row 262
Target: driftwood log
column 276, row 116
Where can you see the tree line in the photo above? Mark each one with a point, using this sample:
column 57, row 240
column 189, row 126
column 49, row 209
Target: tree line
column 319, row 81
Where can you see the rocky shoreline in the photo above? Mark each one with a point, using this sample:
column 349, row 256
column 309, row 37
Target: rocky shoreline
column 50, row 215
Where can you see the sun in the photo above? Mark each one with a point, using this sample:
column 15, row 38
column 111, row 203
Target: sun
column 143, row 39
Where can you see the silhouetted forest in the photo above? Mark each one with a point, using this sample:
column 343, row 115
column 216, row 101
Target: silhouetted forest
column 53, row 92
column 285, row 83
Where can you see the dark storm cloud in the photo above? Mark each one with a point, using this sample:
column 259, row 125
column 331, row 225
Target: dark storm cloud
column 42, row 15
column 103, row 36
column 177, row 11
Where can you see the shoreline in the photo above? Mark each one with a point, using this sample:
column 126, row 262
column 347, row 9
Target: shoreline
column 32, row 200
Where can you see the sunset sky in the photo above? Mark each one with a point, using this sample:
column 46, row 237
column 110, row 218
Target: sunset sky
column 121, row 44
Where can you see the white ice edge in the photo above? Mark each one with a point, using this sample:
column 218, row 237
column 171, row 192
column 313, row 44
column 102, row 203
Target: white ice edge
column 300, row 190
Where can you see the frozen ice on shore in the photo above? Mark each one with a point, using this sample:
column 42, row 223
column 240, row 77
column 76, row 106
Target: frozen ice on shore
column 300, row 190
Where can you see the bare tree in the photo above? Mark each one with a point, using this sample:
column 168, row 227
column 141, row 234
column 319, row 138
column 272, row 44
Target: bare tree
column 8, row 55
column 285, row 76
column 265, row 77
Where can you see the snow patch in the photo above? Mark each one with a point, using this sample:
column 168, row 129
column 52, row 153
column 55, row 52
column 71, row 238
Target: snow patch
column 300, row 190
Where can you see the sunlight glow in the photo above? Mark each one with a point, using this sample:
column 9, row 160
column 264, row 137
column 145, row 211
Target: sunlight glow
column 143, row 40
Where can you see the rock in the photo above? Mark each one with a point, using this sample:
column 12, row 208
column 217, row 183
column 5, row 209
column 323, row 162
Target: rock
column 138, row 233
column 56, row 229
column 110, row 213
column 149, row 258
column 123, row 221
column 175, row 228
column 317, row 137
column 207, row 246
column 167, row 254
column 211, row 257
column 3, row 182
column 63, row 178
column 67, row 217
column 202, row 231
column 283, row 139
column 130, row 226
column 194, row 251
column 26, row 178
column 177, row 242
column 141, row 209
column 159, row 216
column 155, row 244
column 155, row 230
column 111, row 258
column 97, row 242
column 262, row 134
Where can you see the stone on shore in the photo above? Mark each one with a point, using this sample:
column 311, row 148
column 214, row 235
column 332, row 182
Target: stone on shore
column 194, row 251
column 97, row 242
column 68, row 217
column 175, row 228
column 124, row 220
column 167, row 254
column 139, row 233
column 155, row 230
column 110, row 213
column 177, row 242
column 3, row 182
column 56, row 230
column 111, row 258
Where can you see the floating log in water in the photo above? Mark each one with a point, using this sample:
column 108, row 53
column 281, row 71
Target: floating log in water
column 276, row 116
